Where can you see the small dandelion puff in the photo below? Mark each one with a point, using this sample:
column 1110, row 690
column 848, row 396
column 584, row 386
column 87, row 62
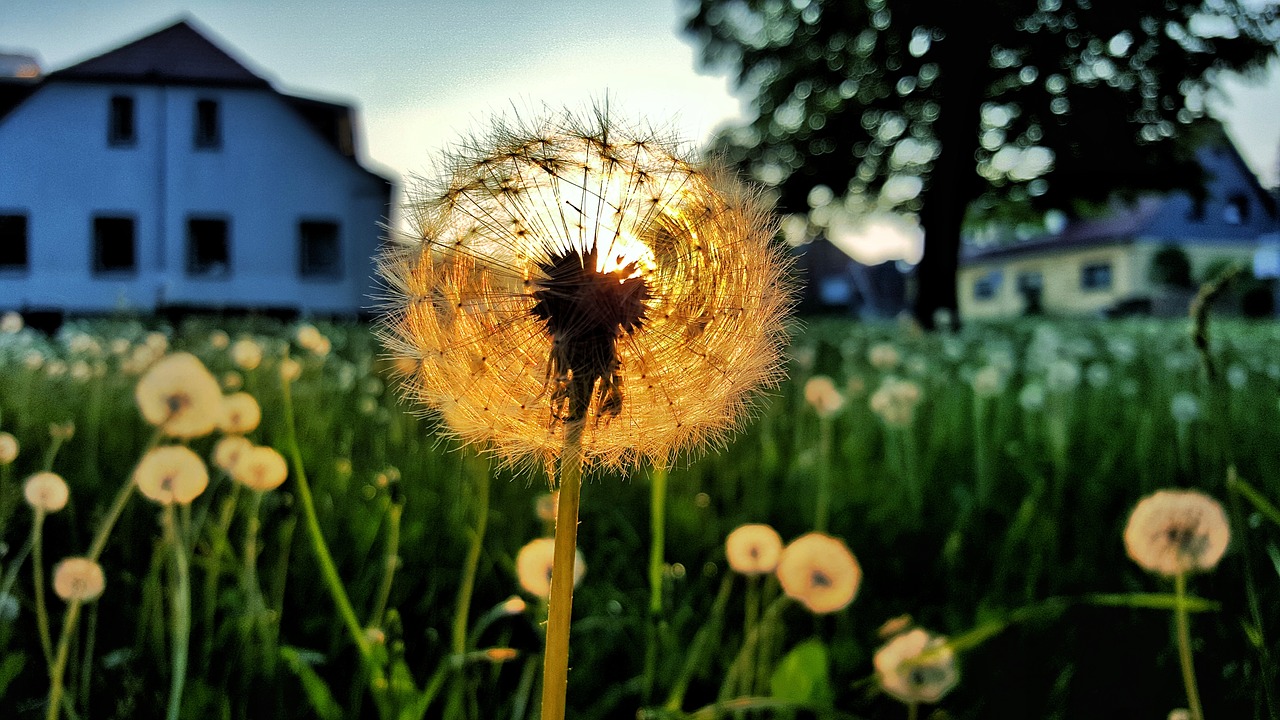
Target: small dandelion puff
column 219, row 340
column 1184, row 407
column 46, row 491
column 884, row 356
column 533, row 566
column 895, row 401
column 78, row 579
column 1237, row 377
column 514, row 605
column 547, row 505
column 11, row 323
column 573, row 269
column 1031, row 397
column 232, row 381
column 240, row 414
column 261, row 468
column 171, row 474
column 1063, row 376
column 821, row 394
column 1098, row 375
column 8, row 448
column 228, row 451
column 62, row 431
column 988, row 381
column 1177, row 531
column 753, row 549
column 246, row 354
column 180, row 396
column 290, row 369
column 916, row 666
column 307, row 336
column 1180, row 714
column 820, row 572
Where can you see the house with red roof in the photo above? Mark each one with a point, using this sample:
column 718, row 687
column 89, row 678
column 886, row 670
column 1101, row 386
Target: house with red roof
column 166, row 174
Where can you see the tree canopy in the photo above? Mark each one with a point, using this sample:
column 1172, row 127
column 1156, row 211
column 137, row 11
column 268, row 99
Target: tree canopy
column 961, row 110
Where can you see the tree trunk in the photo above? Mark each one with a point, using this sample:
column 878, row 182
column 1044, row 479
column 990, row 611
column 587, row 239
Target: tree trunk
column 952, row 182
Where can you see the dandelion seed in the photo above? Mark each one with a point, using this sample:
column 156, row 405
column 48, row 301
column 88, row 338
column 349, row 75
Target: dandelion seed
column 916, row 666
column 821, row 394
column 753, row 549
column 79, row 579
column 246, row 354
column 240, row 414
column 573, row 269
column 533, row 566
column 261, row 468
column 820, row 572
column 171, row 474
column 179, row 395
column 8, row 448
column 1177, row 531
column 46, row 491
column 228, row 451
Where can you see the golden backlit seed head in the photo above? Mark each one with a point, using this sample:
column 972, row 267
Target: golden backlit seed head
column 1177, row 531
column 571, row 267
column 228, row 451
column 46, row 491
column 916, row 666
column 533, row 566
column 753, row 549
column 819, row 572
column 8, row 448
column 171, row 474
column 246, row 354
column 821, row 394
column 261, row 468
column 240, row 414
column 179, row 395
column 78, row 578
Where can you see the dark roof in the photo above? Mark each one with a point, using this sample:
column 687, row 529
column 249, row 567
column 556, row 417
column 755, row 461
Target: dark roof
column 176, row 54
column 13, row 91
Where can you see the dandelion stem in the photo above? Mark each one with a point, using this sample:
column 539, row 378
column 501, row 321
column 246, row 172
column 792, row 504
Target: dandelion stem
column 60, row 660
column 213, row 574
column 462, row 612
column 181, row 612
column 37, row 570
column 749, row 644
column 751, row 617
column 555, row 667
column 706, row 637
column 1183, row 622
column 657, row 562
column 328, row 569
column 822, row 505
column 391, row 561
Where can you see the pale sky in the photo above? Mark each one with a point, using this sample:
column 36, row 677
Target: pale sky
column 421, row 73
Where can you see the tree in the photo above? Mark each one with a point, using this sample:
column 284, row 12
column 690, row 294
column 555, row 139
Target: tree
column 958, row 111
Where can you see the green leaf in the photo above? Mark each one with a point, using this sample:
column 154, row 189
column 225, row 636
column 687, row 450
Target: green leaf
column 9, row 669
column 317, row 691
column 803, row 677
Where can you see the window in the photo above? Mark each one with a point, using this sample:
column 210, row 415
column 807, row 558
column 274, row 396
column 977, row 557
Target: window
column 1236, row 211
column 1030, row 282
column 208, row 130
column 987, row 286
column 113, row 245
column 13, row 242
column 319, row 253
column 120, row 125
column 1096, row 276
column 207, row 248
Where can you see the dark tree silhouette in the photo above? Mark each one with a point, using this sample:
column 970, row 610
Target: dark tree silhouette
column 980, row 106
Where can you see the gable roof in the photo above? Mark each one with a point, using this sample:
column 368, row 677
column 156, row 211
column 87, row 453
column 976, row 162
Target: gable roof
column 176, row 54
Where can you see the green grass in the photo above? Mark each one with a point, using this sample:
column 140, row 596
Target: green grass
column 1030, row 572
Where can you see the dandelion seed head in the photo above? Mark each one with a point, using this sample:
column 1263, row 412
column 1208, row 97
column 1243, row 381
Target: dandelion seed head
column 261, row 468
column 171, row 474
column 240, row 414
column 246, row 354
column 820, row 572
column 228, row 451
column 514, row 605
column 895, row 401
column 219, row 340
column 179, row 395
column 821, row 394
column 290, row 369
column 988, row 381
column 916, row 666
column 884, row 356
column 570, row 268
column 46, row 491
column 533, row 566
column 753, row 549
column 8, row 448
column 79, row 579
column 1177, row 531
column 11, row 323
column 1184, row 407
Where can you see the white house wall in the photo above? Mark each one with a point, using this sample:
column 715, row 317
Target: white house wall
column 271, row 171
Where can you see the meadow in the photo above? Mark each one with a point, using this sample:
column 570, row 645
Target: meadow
column 982, row 480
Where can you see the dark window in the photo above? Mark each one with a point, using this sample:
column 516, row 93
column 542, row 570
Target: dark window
column 208, row 128
column 1030, row 281
column 319, row 252
column 120, row 128
column 208, row 252
column 987, row 286
column 1236, row 211
column 13, row 242
column 1096, row 276
column 113, row 245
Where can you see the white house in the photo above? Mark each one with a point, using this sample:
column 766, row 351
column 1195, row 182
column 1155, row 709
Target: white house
column 165, row 174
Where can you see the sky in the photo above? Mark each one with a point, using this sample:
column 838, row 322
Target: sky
column 422, row 73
